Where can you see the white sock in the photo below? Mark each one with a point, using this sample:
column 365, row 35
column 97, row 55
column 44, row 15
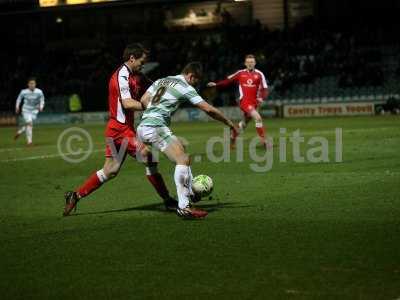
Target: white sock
column 21, row 130
column 242, row 125
column 190, row 182
column 29, row 134
column 259, row 124
column 183, row 181
column 102, row 177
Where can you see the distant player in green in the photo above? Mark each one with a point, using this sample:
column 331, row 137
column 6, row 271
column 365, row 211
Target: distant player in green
column 161, row 100
column 32, row 100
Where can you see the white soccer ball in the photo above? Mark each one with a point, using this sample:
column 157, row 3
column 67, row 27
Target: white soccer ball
column 202, row 185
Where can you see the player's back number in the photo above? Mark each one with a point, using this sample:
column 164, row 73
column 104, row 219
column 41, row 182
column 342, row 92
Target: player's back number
column 157, row 96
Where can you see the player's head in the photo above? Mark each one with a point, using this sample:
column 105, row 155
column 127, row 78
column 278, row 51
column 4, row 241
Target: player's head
column 250, row 62
column 135, row 56
column 193, row 72
column 31, row 83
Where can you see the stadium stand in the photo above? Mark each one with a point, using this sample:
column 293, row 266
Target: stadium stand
column 307, row 64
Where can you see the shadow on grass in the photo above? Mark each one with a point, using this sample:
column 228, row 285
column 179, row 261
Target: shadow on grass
column 209, row 207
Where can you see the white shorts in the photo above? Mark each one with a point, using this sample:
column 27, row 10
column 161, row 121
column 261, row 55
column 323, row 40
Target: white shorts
column 29, row 115
column 159, row 137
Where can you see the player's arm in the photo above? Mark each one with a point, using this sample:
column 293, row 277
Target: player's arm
column 41, row 103
column 215, row 113
column 263, row 91
column 131, row 104
column 145, row 100
column 18, row 103
column 126, row 99
column 225, row 82
column 262, row 94
column 210, row 110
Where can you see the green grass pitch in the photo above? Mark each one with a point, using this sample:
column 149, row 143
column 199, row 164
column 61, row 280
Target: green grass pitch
column 300, row 231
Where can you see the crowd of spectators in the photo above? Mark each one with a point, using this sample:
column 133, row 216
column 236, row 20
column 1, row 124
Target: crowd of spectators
column 300, row 55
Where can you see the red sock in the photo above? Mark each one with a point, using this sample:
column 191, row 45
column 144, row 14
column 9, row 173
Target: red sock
column 158, row 183
column 91, row 184
column 261, row 133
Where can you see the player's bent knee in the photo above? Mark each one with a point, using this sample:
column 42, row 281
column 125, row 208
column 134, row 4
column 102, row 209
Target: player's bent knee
column 145, row 155
column 183, row 159
column 258, row 119
column 256, row 116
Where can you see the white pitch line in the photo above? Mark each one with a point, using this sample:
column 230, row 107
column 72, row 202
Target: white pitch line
column 305, row 132
column 11, row 149
column 26, row 148
column 43, row 156
column 332, row 131
column 35, row 147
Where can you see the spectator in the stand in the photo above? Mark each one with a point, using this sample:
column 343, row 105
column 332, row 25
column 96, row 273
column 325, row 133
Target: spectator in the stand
column 298, row 56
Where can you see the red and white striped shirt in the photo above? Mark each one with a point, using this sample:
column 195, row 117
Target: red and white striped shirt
column 123, row 84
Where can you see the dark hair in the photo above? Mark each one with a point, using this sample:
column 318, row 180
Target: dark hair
column 31, row 79
column 249, row 56
column 195, row 68
column 136, row 50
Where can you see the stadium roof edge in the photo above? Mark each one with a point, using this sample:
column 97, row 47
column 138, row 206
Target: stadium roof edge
column 11, row 7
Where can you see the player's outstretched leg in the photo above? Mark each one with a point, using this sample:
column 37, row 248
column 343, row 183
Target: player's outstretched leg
column 19, row 132
column 183, row 180
column 242, row 126
column 93, row 182
column 155, row 178
column 28, row 132
column 260, row 128
column 157, row 181
column 234, row 136
column 243, row 123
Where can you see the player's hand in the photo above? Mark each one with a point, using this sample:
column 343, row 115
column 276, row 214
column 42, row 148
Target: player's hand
column 17, row 110
column 260, row 100
column 211, row 84
column 40, row 109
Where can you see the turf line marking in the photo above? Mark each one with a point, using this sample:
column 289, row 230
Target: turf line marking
column 46, row 156
column 332, row 130
column 304, row 132
column 36, row 147
column 26, row 148
column 11, row 149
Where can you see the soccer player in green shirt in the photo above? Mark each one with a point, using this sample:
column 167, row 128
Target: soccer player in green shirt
column 161, row 100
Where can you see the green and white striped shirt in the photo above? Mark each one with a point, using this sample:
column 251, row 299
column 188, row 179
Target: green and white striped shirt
column 166, row 96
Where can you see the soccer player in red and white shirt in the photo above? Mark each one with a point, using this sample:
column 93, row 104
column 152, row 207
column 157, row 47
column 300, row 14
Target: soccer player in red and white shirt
column 253, row 90
column 125, row 87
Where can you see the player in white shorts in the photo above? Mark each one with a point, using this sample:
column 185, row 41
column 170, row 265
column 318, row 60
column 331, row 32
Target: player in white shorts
column 161, row 100
column 32, row 100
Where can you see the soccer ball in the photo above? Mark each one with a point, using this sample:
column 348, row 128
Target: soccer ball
column 202, row 185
